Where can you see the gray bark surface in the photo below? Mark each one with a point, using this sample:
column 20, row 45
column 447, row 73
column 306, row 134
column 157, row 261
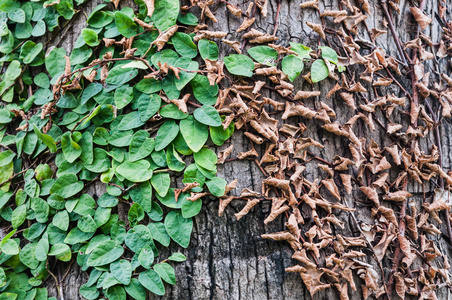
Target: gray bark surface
column 227, row 259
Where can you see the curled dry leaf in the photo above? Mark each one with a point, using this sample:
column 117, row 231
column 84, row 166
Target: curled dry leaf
column 420, row 17
column 163, row 38
column 245, row 210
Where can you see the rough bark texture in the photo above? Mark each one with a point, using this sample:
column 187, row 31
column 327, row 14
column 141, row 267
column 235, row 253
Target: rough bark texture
column 227, row 259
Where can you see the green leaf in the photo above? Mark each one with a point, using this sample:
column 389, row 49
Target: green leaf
column 329, row 54
column 137, row 171
column 175, row 163
column 148, row 106
column 71, row 149
column 138, row 237
column 135, row 214
column 90, row 37
column 166, row 272
column 29, row 51
column 141, row 146
column 123, row 96
column 190, row 208
column 146, row 257
column 6, row 157
column 292, row 66
column 239, row 64
column 207, row 115
column 161, row 183
column 171, row 111
column 264, row 55
column 46, row 139
column 195, row 133
column 219, row 135
column 136, row 290
column 203, row 91
column 178, row 228
column 61, row 251
column 87, row 224
column 208, row 49
column 151, row 280
column 125, row 24
column 159, row 233
column 166, row 134
column 10, row 247
column 18, row 216
column 302, row 51
column 184, row 45
column 206, row 158
column 165, row 13
column 66, row 186
column 216, row 186
column 120, row 76
column 179, row 257
column 104, row 253
column 130, row 121
column 61, row 220
column 122, row 271
column 116, row 292
column 319, row 71
column 16, row 15
column 90, row 293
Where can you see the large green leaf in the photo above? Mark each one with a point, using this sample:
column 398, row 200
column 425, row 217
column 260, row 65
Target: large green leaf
column 179, row 228
column 166, row 134
column 66, row 186
column 137, row 171
column 165, row 13
column 195, row 133
column 105, row 253
column 141, row 146
column 125, row 24
column 151, row 280
column 207, row 115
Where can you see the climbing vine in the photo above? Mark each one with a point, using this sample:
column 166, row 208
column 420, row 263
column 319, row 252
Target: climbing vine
column 144, row 97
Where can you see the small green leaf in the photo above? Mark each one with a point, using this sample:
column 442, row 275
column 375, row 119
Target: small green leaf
column 206, row 158
column 319, row 71
column 239, row 64
column 203, row 91
column 264, row 55
column 90, row 37
column 329, row 54
column 71, row 149
column 303, row 51
column 216, row 186
column 184, row 45
column 208, row 49
column 161, row 183
column 207, row 115
column 292, row 66
column 179, row 257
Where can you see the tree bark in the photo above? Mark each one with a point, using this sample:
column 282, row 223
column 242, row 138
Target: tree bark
column 228, row 259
